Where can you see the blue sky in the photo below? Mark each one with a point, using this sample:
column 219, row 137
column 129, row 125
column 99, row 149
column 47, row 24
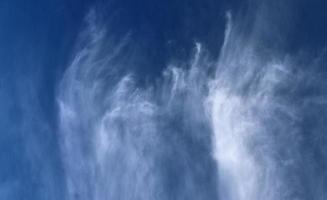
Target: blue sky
column 170, row 54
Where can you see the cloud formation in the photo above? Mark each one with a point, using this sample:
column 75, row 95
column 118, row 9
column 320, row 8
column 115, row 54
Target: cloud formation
column 206, row 129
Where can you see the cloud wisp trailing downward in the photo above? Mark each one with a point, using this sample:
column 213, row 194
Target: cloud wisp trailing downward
column 121, row 141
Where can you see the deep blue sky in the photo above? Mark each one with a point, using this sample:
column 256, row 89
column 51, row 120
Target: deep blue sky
column 37, row 39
